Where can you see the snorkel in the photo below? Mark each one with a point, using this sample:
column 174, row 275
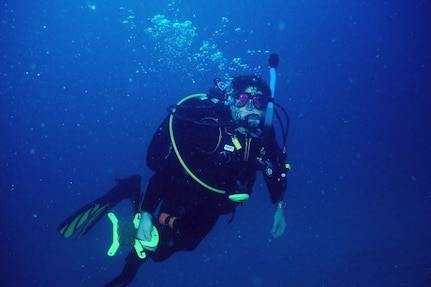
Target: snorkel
column 273, row 63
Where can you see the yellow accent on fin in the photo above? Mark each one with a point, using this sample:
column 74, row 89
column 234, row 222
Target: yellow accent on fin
column 70, row 228
column 115, row 238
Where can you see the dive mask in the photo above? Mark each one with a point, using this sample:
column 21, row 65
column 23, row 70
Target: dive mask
column 260, row 101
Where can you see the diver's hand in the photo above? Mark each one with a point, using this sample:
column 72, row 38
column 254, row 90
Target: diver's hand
column 145, row 227
column 279, row 223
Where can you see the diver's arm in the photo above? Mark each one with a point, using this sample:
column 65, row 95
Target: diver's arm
column 275, row 175
column 276, row 183
column 276, row 187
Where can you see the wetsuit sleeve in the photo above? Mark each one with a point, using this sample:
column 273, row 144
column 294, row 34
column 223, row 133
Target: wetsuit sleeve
column 275, row 171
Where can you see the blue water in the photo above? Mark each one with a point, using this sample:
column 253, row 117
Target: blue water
column 84, row 85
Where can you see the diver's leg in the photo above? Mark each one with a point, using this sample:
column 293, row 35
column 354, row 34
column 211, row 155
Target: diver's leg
column 91, row 213
column 194, row 226
column 133, row 262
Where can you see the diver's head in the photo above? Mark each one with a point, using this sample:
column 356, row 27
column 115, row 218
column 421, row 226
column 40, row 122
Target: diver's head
column 248, row 99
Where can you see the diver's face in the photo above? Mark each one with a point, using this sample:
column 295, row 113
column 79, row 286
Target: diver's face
column 250, row 102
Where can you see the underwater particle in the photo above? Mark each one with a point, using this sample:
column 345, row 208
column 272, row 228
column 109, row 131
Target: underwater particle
column 281, row 26
column 91, row 5
column 34, row 215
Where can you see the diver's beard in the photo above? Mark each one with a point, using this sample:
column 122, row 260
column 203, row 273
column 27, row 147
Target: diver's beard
column 250, row 122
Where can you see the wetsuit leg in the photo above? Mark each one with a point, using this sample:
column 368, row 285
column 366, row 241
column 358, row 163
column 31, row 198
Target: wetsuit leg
column 133, row 262
column 91, row 213
column 195, row 224
column 190, row 227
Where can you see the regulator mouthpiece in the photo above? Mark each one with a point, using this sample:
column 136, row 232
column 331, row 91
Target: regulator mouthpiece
column 253, row 120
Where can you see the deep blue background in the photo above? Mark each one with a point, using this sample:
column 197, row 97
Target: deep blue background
column 83, row 87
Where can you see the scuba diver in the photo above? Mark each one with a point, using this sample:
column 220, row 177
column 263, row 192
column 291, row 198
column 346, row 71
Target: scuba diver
column 205, row 156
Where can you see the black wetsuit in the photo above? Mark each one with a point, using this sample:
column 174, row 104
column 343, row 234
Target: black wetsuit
column 208, row 143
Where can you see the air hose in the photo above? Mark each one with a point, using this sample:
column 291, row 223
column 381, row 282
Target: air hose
column 175, row 146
